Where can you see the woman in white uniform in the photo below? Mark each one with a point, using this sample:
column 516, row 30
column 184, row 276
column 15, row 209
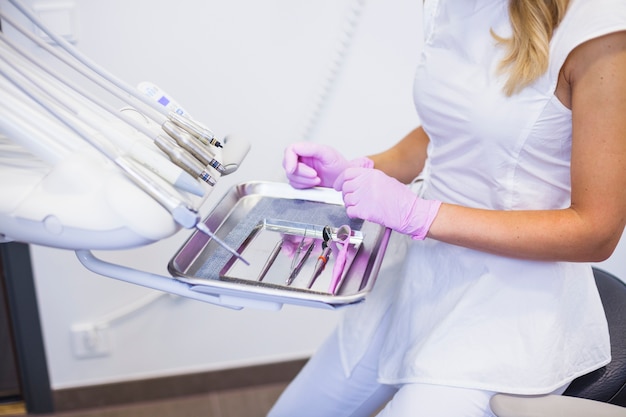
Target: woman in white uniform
column 522, row 152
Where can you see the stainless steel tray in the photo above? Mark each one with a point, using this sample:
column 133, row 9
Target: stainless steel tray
column 254, row 217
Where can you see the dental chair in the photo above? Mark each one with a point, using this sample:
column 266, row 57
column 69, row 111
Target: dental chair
column 601, row 393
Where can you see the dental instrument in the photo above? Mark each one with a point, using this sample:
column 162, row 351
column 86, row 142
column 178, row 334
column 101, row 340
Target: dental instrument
column 271, row 259
column 182, row 158
column 205, row 229
column 177, row 114
column 202, row 133
column 343, row 241
column 298, row 268
column 320, row 264
column 296, row 256
column 194, row 146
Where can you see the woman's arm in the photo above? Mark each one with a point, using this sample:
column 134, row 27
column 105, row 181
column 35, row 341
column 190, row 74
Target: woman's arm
column 405, row 160
column 591, row 227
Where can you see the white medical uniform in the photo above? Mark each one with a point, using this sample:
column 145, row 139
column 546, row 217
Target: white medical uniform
column 463, row 318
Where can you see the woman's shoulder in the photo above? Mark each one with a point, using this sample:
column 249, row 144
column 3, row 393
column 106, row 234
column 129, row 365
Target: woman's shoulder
column 583, row 21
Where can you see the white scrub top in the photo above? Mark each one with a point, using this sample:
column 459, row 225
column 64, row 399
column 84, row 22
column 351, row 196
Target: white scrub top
column 461, row 317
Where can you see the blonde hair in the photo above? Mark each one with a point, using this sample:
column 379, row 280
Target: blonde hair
column 528, row 49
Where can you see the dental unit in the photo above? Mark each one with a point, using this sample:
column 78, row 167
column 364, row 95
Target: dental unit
column 79, row 173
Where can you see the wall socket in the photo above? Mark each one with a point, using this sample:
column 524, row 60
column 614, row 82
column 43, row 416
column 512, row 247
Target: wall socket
column 90, row 341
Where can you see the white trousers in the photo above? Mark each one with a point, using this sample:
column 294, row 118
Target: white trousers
column 321, row 389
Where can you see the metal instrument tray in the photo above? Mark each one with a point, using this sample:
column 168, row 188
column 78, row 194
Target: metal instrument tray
column 254, row 217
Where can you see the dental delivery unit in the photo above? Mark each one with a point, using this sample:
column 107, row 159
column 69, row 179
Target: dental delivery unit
column 81, row 174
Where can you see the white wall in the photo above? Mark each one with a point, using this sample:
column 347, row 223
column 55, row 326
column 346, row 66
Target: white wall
column 241, row 66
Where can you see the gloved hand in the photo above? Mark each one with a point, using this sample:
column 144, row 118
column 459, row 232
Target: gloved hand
column 371, row 195
column 310, row 164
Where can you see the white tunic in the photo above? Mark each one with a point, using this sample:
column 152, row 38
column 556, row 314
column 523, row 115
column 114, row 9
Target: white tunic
column 465, row 318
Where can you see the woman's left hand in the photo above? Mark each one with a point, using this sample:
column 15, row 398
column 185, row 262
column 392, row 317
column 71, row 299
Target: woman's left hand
column 371, row 195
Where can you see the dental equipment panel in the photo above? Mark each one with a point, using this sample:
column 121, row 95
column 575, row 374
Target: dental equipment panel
column 79, row 173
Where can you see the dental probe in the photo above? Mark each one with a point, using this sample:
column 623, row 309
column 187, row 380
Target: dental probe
column 147, row 156
column 181, row 211
column 205, row 229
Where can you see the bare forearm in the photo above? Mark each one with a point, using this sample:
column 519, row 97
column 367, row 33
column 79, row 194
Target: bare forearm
column 543, row 235
column 405, row 160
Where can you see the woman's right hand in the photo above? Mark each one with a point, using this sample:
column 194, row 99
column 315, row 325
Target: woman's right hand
column 310, row 164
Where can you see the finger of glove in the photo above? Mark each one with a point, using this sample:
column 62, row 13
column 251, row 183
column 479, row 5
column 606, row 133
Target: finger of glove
column 355, row 179
column 356, row 189
column 302, row 183
column 295, row 152
column 372, row 195
column 339, row 181
column 313, row 151
column 290, row 160
column 303, row 176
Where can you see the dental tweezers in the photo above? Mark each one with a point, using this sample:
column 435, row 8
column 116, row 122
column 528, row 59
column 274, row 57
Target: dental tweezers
column 296, row 270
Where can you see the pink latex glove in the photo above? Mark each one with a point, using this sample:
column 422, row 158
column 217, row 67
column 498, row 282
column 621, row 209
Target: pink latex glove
column 310, row 164
column 371, row 195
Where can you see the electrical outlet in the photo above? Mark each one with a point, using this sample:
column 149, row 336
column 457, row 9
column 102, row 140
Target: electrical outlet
column 90, row 341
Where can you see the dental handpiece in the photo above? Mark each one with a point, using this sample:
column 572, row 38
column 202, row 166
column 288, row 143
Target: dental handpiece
column 193, row 145
column 196, row 129
column 183, row 159
column 177, row 114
